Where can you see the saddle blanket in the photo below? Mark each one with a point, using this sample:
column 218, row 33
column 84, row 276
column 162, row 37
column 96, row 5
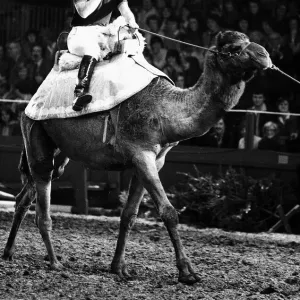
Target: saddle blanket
column 113, row 81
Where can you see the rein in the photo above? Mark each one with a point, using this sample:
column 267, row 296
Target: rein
column 228, row 54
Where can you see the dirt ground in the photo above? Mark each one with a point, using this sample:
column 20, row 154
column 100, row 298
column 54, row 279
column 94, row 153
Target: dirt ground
column 231, row 265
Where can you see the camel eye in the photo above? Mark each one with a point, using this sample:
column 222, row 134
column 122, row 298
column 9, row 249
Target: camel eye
column 234, row 48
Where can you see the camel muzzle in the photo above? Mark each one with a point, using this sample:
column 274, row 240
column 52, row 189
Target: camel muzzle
column 259, row 55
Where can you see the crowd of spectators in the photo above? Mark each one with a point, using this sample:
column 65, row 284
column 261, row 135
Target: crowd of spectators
column 275, row 24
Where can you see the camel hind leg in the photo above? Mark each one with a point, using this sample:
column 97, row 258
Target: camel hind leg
column 41, row 156
column 40, row 152
column 23, row 202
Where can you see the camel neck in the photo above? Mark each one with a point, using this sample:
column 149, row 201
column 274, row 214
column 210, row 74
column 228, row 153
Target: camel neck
column 197, row 109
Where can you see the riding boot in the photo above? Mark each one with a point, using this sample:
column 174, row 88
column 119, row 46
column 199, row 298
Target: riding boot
column 82, row 98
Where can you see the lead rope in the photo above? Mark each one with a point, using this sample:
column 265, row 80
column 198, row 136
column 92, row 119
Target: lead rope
column 273, row 67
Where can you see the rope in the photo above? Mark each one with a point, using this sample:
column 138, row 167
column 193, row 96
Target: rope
column 14, row 101
column 184, row 43
column 273, row 67
column 263, row 112
column 285, row 74
column 233, row 110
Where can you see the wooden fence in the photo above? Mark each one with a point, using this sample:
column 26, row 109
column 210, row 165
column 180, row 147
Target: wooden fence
column 255, row 163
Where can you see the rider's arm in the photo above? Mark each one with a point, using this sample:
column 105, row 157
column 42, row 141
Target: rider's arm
column 86, row 7
column 127, row 14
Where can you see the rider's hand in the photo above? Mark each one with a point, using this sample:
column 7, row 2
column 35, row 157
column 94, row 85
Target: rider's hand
column 133, row 27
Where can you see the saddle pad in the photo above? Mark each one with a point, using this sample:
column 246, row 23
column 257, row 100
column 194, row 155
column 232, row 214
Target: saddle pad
column 113, row 82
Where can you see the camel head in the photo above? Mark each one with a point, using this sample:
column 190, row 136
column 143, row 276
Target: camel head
column 240, row 58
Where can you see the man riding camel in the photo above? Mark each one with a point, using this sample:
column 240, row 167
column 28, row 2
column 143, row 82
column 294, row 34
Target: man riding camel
column 89, row 16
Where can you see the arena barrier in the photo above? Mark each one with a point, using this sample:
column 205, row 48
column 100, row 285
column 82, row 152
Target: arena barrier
column 181, row 158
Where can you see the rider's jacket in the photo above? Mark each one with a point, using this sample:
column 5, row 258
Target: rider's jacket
column 100, row 16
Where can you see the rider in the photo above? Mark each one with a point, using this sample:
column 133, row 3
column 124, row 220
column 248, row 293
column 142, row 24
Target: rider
column 88, row 16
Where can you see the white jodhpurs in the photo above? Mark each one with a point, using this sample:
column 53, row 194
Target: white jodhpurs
column 84, row 40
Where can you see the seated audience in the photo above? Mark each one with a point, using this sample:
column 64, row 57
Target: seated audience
column 259, row 104
column 230, row 15
column 144, row 12
column 7, row 122
column 180, row 80
column 171, row 30
column 153, row 24
column 242, row 132
column 213, row 24
column 173, row 64
column 288, row 126
column 254, row 15
column 270, row 140
column 217, row 137
column 159, row 53
column 39, row 66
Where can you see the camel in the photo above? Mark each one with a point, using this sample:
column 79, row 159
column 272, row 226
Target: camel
column 147, row 126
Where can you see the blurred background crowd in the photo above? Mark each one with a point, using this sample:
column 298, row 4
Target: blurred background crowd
column 26, row 60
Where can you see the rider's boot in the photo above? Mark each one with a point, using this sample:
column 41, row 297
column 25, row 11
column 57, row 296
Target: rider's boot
column 82, row 98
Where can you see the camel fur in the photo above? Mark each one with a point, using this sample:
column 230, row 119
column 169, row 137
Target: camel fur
column 149, row 124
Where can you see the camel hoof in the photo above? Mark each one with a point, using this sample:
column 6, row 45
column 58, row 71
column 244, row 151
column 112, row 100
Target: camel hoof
column 188, row 279
column 7, row 255
column 121, row 271
column 56, row 266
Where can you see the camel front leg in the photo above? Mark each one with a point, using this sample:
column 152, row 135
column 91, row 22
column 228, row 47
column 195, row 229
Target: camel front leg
column 128, row 217
column 147, row 171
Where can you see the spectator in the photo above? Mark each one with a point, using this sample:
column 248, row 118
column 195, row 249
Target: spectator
column 280, row 53
column 148, row 56
column 160, row 5
column 153, row 24
column 258, row 99
column 254, row 15
column 171, row 30
column 180, row 81
column 173, row 64
column 293, row 41
column 281, row 18
column 165, row 14
column 268, row 27
column 67, row 23
column 24, row 87
column 7, row 121
column 257, row 37
column 243, row 25
column 48, row 42
column 191, row 70
column 230, row 15
column 193, row 32
column 270, row 137
column 3, row 88
column 217, row 137
column 242, row 133
column 184, row 20
column 144, row 12
column 3, row 65
column 213, row 24
column 30, row 39
column 177, row 6
column 40, row 66
column 293, row 9
column 15, row 60
column 158, row 52
column 287, row 125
